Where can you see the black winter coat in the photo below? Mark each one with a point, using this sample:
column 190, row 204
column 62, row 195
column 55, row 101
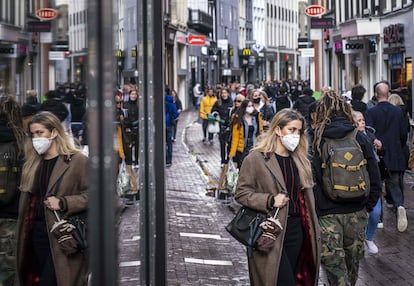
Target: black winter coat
column 391, row 130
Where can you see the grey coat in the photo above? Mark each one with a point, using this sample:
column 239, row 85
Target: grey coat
column 69, row 179
column 255, row 186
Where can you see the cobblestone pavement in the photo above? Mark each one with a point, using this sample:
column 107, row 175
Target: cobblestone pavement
column 201, row 252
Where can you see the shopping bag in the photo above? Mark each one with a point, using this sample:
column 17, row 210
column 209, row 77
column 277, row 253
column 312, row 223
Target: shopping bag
column 213, row 127
column 124, row 180
column 231, row 177
column 222, row 179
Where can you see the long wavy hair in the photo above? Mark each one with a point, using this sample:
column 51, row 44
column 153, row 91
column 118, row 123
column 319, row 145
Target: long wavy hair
column 330, row 105
column 64, row 146
column 237, row 117
column 11, row 113
column 268, row 144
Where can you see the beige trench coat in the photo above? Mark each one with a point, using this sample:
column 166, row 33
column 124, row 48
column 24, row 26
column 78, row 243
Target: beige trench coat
column 254, row 187
column 69, row 179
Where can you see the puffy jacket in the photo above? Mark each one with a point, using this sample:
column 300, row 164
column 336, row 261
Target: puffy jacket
column 239, row 134
column 206, row 105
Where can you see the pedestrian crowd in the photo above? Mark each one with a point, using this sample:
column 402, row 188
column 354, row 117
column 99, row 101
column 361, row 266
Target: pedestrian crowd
column 323, row 166
column 326, row 162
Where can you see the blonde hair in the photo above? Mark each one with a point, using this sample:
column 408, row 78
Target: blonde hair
column 268, row 144
column 355, row 113
column 264, row 94
column 395, row 99
column 64, row 146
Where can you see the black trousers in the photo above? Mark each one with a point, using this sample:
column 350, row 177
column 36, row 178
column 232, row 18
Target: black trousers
column 290, row 254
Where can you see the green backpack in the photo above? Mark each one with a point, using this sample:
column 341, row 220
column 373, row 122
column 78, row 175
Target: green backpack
column 10, row 171
column 344, row 171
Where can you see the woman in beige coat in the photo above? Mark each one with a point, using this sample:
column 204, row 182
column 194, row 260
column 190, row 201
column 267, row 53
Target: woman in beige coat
column 277, row 174
column 54, row 178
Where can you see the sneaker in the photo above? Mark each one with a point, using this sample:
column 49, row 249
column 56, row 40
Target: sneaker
column 380, row 225
column 211, row 142
column 370, row 247
column 402, row 222
column 168, row 165
column 390, row 206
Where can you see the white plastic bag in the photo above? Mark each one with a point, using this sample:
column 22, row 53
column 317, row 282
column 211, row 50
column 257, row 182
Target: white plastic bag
column 124, row 180
column 213, row 127
column 231, row 177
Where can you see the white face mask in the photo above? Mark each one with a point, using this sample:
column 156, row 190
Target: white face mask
column 249, row 109
column 41, row 144
column 290, row 141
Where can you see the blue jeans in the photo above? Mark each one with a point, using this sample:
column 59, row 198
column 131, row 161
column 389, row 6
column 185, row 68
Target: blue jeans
column 168, row 138
column 373, row 220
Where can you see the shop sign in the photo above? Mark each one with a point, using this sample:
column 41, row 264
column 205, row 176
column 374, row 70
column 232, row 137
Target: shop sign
column 223, row 44
column 8, row 51
column 338, row 46
column 196, row 40
column 180, row 39
column 38, row 26
column 226, row 72
column 315, row 10
column 257, row 48
column 394, row 34
column 46, row 14
column 307, row 53
column 246, row 52
column 322, row 23
column 56, row 56
column 353, row 47
column 119, row 53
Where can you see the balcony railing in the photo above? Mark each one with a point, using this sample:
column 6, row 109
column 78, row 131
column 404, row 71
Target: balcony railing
column 200, row 21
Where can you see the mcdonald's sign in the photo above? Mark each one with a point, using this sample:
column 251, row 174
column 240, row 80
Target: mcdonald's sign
column 246, row 52
column 134, row 52
column 119, row 53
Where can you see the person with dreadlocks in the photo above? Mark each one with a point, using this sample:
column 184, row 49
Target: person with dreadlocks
column 11, row 158
column 342, row 223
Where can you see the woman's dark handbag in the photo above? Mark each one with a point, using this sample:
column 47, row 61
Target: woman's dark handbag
column 70, row 234
column 245, row 227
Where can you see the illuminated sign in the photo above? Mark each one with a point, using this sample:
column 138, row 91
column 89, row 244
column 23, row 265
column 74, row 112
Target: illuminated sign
column 46, row 14
column 314, row 10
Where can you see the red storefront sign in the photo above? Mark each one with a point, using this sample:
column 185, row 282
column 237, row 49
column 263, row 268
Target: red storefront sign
column 315, row 10
column 46, row 14
column 196, row 40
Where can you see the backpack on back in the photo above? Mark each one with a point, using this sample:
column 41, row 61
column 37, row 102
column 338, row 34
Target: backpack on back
column 344, row 171
column 10, row 170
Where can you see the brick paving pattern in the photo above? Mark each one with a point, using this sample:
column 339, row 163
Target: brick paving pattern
column 201, row 252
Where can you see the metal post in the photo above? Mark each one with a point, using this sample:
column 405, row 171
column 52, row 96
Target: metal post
column 152, row 141
column 102, row 233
